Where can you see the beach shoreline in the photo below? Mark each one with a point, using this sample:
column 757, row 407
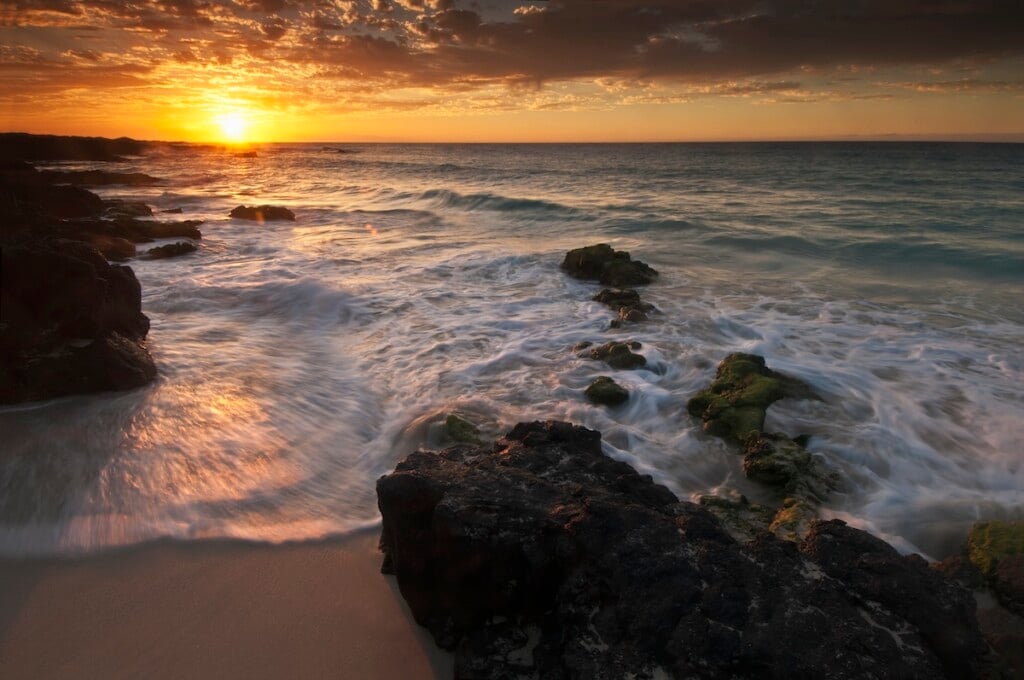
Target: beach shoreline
column 218, row 608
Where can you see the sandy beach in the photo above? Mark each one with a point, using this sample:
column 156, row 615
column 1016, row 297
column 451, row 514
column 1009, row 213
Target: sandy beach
column 218, row 609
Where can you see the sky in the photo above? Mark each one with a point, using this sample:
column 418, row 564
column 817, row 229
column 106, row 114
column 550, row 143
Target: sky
column 509, row 70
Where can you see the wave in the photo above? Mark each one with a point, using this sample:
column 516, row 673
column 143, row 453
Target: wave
column 487, row 201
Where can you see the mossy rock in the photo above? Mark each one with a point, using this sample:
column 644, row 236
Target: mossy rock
column 606, row 391
column 997, row 550
column 619, row 355
column 461, row 430
column 776, row 460
column 741, row 518
column 989, row 542
column 735, row 403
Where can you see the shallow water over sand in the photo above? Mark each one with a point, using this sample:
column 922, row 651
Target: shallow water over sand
column 299, row 361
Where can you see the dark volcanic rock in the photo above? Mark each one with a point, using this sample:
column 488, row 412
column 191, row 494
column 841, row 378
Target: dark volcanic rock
column 116, row 208
column 610, row 267
column 69, row 323
column 262, row 213
column 734, row 405
column 619, row 355
column 170, row 250
column 606, row 391
column 541, row 557
column 113, row 248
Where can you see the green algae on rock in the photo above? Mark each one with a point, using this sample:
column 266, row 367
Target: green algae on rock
column 741, row 518
column 460, row 430
column 606, row 391
column 776, row 460
column 793, row 520
column 734, row 405
column 619, row 355
column 989, row 542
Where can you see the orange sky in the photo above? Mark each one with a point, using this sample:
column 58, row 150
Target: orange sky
column 501, row 70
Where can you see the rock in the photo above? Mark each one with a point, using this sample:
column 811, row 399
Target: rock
column 98, row 178
column 626, row 302
column 27, row 147
column 618, row 355
column 50, row 201
column 172, row 211
column 246, row 154
column 792, row 522
column 580, row 346
column 170, row 250
column 263, row 213
column 608, row 266
column 606, row 391
column 117, row 208
column 113, row 248
column 741, row 518
column 77, row 329
column 997, row 550
column 776, row 460
column 458, row 429
column 734, row 405
column 542, row 557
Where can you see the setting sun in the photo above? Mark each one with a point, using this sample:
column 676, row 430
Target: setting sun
column 233, row 126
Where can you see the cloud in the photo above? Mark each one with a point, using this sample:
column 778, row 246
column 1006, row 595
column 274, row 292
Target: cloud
column 722, row 47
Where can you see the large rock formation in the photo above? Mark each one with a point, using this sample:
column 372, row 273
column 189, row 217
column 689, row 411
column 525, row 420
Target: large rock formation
column 70, row 323
column 542, row 557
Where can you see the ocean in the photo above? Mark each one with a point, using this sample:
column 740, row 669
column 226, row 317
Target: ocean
column 299, row 361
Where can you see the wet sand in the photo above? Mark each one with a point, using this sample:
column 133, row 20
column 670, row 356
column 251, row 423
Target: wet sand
column 219, row 609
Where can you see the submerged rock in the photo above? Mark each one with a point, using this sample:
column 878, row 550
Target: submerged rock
column 77, row 329
column 458, row 429
column 606, row 391
column 542, row 557
column 170, row 250
column 619, row 355
column 734, row 405
column 610, row 267
column 262, row 213
column 113, row 248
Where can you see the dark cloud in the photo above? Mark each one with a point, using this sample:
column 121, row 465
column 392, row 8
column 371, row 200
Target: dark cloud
column 466, row 44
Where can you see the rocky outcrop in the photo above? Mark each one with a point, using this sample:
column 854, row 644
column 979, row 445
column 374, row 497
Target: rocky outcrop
column 734, row 405
column 542, row 557
column 626, row 303
column 27, row 147
column 262, row 213
column 608, row 266
column 605, row 391
column 170, row 250
column 619, row 355
column 95, row 178
column 70, row 323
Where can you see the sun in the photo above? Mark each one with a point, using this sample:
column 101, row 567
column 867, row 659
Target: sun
column 233, row 127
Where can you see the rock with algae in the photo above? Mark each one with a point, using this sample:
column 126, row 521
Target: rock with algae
column 619, row 355
column 735, row 403
column 776, row 460
column 997, row 550
column 458, row 429
column 606, row 391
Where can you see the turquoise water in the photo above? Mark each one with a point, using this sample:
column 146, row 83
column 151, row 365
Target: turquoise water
column 299, row 361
